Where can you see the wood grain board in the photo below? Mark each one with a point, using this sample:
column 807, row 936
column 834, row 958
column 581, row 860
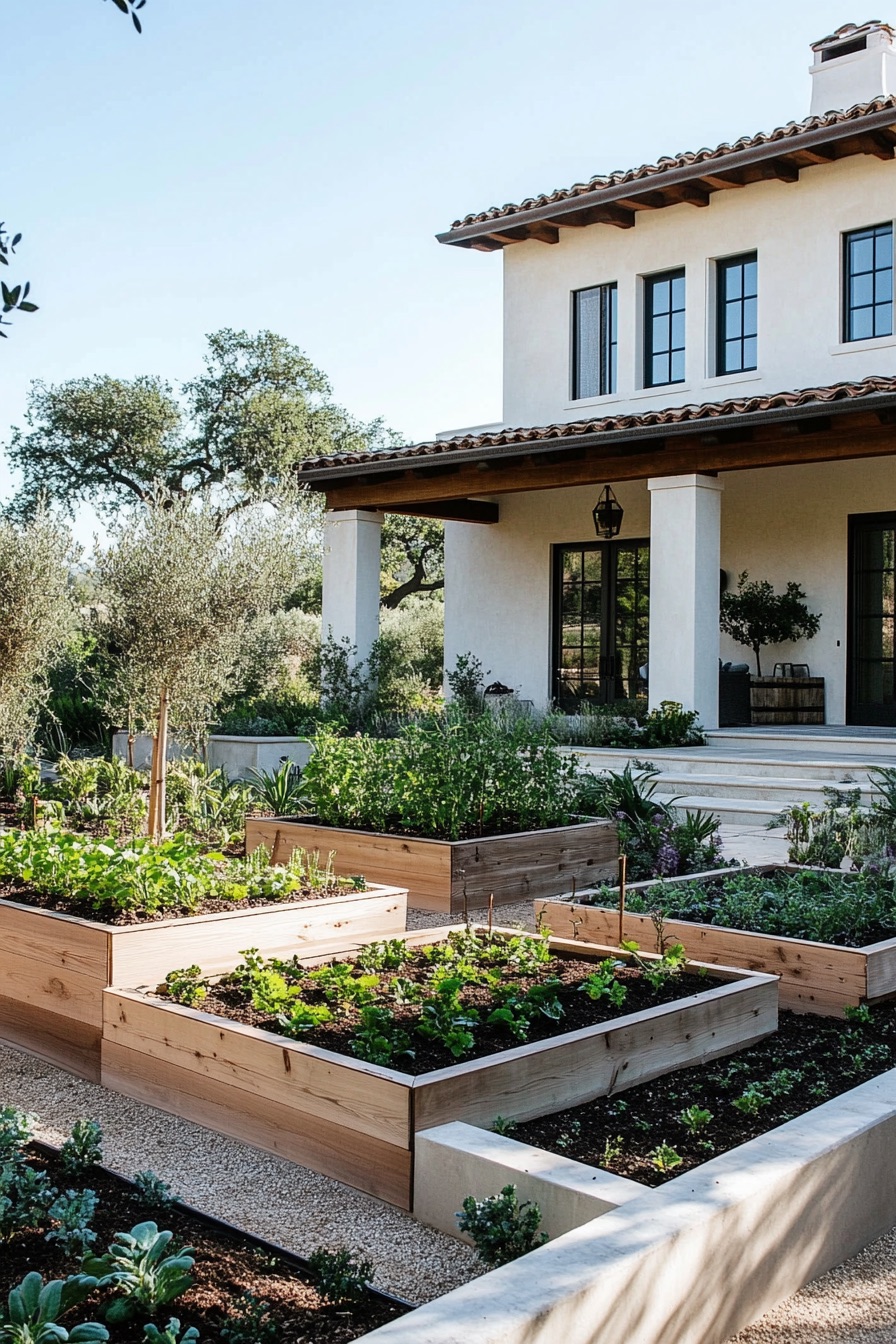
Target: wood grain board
column 815, row 977
column 438, row 872
column 54, row 968
column 356, row 1121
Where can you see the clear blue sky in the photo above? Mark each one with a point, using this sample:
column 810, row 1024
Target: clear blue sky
column 280, row 164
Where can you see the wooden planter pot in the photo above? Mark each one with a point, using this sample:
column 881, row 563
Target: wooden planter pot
column 815, row 977
column 356, row 1121
column 438, row 872
column 786, row 700
column 54, row 968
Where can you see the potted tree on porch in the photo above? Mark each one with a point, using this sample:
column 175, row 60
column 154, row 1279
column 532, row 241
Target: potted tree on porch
column 756, row 616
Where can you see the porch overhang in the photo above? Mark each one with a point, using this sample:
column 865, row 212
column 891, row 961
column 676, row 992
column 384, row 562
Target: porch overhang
column 454, row 478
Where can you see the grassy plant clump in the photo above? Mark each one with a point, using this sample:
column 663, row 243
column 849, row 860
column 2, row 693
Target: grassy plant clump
column 446, row 777
column 659, row 839
column 848, row 909
column 628, row 723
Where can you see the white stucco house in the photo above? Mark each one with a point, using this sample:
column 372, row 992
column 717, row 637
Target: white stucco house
column 712, row 337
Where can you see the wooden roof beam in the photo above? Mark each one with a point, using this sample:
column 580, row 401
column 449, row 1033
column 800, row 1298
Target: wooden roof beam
column 817, row 154
column 691, row 195
column 717, row 183
column 451, row 510
column 880, row 144
column 777, row 170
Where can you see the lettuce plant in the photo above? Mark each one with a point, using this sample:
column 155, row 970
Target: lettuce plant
column 34, row 1309
column 140, row 1270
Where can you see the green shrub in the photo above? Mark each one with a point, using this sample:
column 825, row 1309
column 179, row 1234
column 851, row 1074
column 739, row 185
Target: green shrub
column 501, row 1228
column 447, row 777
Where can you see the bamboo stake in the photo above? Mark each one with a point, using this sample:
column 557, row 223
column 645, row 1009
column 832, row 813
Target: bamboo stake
column 491, row 912
column 622, row 866
column 153, row 787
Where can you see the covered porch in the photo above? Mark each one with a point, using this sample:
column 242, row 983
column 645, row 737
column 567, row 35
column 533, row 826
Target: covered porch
column 797, row 487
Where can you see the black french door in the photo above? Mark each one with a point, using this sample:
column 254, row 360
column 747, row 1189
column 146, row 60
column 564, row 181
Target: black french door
column 872, row 615
column 601, row 602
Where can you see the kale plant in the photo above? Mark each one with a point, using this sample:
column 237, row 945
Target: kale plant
column 338, row 1277
column 71, row 1214
column 34, row 1311
column 141, row 1270
column 82, row 1149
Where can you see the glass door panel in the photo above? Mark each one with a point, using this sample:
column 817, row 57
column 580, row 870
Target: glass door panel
column 600, row 622
column 872, row 653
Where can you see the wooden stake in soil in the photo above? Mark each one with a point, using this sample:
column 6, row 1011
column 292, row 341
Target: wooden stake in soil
column 159, row 764
column 622, row 866
column 491, row 912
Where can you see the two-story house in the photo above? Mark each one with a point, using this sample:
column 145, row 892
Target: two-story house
column 709, row 341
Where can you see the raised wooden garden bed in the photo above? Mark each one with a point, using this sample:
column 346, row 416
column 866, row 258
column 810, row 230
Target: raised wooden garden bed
column 815, row 977
column 356, row 1121
column 54, row 967
column 445, row 875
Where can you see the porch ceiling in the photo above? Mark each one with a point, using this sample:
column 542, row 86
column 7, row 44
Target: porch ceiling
column 447, row 479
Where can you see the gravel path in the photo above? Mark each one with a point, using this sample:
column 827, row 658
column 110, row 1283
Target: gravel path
column 267, row 1195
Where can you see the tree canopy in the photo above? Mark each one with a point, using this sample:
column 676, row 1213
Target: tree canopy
column 234, row 435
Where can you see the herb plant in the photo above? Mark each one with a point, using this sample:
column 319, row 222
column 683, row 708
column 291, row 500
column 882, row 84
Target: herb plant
column 249, row 1321
column 153, row 1192
column 501, row 1228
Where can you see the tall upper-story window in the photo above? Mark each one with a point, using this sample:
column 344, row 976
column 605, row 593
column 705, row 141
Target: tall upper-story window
column 594, row 341
column 868, row 283
column 664, row 328
column 736, row 313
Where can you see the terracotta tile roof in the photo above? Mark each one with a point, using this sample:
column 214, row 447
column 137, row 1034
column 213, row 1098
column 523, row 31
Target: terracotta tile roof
column 854, row 30
column 785, row 136
column 674, row 415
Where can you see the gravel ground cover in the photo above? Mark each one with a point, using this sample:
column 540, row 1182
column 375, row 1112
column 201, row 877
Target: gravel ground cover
column 264, row 1194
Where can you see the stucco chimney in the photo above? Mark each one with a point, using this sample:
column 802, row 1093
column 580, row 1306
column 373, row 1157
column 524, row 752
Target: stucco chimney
column 854, row 65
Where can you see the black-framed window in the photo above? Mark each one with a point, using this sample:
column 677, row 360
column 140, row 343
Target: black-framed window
column 594, row 341
column 868, row 283
column 737, row 313
column 664, row 329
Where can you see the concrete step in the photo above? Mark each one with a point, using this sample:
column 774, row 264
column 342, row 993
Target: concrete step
column 704, row 760
column 877, row 745
column 778, row 790
column 730, row 811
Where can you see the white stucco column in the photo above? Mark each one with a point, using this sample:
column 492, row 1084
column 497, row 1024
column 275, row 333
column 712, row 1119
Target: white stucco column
column 351, row 595
column 685, row 524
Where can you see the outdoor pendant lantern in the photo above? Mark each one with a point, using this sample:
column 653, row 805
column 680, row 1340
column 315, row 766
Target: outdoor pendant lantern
column 607, row 514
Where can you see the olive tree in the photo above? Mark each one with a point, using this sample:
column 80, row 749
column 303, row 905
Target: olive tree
column 756, row 615
column 180, row 594
column 36, row 620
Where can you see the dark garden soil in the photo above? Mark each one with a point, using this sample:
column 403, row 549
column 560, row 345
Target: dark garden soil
column 578, row 1010
column 25, row 895
column 806, row 1062
column 228, row 1265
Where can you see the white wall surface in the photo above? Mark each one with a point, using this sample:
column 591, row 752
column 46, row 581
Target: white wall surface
column 779, row 524
column 796, row 229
